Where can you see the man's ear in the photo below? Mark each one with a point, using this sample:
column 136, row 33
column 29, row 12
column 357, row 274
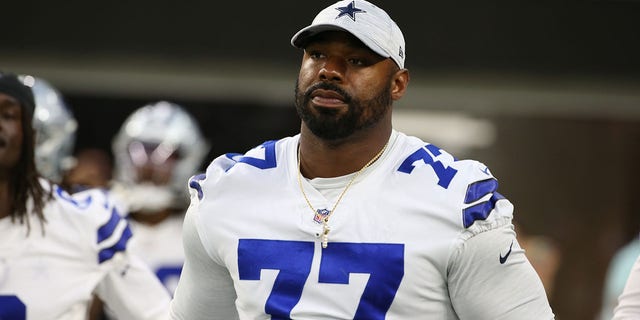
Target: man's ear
column 399, row 83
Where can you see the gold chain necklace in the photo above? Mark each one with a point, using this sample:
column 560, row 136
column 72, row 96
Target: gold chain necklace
column 327, row 215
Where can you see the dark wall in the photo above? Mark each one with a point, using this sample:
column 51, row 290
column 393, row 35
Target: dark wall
column 228, row 126
column 523, row 36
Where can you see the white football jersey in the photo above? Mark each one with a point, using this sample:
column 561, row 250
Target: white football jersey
column 628, row 307
column 418, row 235
column 52, row 272
column 160, row 247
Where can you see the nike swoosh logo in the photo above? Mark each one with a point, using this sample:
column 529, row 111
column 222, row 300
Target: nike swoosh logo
column 503, row 259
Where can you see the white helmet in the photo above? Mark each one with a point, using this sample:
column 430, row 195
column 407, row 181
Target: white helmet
column 55, row 128
column 151, row 135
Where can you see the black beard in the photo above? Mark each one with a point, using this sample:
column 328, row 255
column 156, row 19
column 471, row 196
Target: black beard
column 327, row 125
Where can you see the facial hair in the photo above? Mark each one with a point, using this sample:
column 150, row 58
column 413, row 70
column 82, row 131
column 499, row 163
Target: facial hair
column 328, row 124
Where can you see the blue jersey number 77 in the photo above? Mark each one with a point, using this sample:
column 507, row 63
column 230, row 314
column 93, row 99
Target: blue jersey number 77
column 383, row 262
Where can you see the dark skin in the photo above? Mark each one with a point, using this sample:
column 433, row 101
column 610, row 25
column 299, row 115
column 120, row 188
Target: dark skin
column 93, row 169
column 341, row 59
column 151, row 219
column 11, row 138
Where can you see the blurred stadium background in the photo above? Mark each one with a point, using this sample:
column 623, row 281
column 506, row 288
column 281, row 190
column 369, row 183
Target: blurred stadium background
column 547, row 93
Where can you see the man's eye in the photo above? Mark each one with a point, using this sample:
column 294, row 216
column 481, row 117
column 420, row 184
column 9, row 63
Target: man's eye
column 9, row 114
column 357, row 62
column 316, row 55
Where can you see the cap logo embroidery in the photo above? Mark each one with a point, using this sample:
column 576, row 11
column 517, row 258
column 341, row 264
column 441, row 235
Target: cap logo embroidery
column 350, row 10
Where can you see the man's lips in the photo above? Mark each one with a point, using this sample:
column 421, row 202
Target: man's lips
column 327, row 98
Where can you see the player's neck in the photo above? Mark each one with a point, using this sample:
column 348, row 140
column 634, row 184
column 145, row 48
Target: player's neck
column 151, row 219
column 327, row 159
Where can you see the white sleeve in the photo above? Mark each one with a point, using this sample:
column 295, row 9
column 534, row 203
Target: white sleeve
column 128, row 287
column 491, row 278
column 132, row 291
column 205, row 290
column 629, row 301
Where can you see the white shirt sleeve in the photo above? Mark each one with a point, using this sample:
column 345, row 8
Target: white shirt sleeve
column 205, row 290
column 629, row 301
column 132, row 291
column 491, row 278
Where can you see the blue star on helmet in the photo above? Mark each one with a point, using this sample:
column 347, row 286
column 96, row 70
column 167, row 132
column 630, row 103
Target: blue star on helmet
column 349, row 10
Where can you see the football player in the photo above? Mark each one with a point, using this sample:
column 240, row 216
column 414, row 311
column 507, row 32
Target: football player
column 628, row 307
column 351, row 219
column 55, row 128
column 57, row 249
column 158, row 147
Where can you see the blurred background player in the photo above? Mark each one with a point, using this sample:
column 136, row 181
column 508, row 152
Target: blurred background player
column 93, row 169
column 616, row 277
column 158, row 148
column 55, row 128
column 57, row 249
column 55, row 135
column 628, row 307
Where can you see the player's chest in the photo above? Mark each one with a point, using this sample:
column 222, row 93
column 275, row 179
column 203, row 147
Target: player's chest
column 361, row 216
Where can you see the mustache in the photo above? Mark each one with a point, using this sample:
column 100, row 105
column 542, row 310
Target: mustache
column 327, row 86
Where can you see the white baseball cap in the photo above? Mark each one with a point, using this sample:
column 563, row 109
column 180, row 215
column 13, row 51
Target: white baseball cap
column 365, row 21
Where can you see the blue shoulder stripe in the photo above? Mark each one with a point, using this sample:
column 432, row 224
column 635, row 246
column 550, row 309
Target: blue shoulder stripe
column 269, row 160
column 479, row 189
column 195, row 184
column 108, row 253
column 106, row 230
column 481, row 210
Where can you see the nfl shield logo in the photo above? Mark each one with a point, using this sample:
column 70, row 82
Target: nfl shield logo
column 320, row 215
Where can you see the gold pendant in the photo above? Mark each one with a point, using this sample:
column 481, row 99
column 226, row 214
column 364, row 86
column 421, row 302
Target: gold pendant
column 325, row 233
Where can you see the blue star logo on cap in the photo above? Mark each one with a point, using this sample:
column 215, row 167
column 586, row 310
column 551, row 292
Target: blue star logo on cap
column 349, row 10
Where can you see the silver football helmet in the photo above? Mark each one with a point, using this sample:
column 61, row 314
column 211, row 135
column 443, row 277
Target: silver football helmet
column 55, row 128
column 164, row 136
